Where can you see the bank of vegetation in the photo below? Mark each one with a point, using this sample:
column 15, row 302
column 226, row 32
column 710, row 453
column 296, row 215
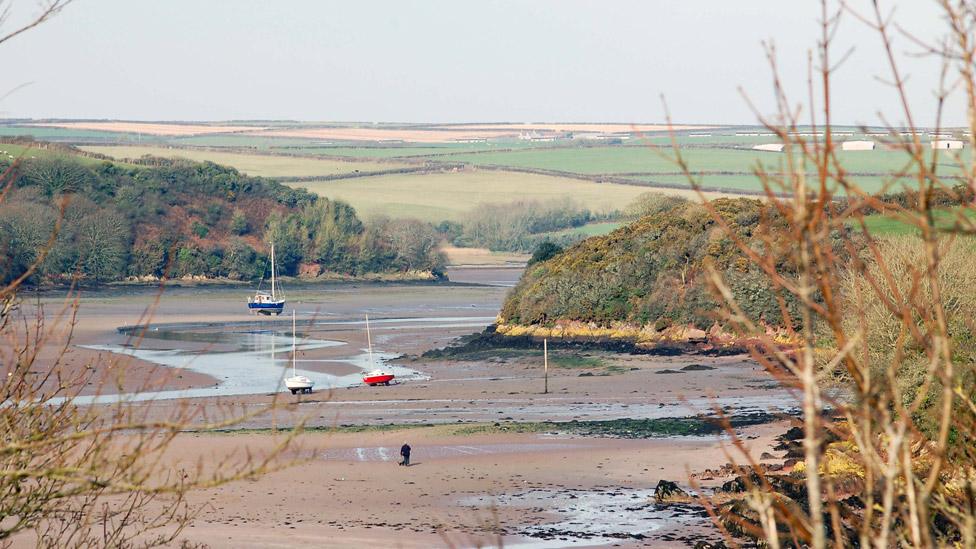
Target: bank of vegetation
column 650, row 274
column 103, row 221
column 521, row 225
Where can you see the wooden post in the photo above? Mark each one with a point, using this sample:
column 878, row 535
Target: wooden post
column 545, row 359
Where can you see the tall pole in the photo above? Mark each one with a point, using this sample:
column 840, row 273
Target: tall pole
column 273, row 297
column 293, row 346
column 545, row 359
column 369, row 342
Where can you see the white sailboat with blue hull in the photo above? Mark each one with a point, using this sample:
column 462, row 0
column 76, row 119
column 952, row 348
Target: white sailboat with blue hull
column 268, row 303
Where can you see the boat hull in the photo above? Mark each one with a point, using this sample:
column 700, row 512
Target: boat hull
column 378, row 379
column 272, row 308
column 299, row 384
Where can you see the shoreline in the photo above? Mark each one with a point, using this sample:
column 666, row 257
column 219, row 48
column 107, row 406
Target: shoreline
column 481, row 426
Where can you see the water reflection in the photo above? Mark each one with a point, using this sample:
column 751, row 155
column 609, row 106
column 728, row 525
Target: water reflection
column 256, row 363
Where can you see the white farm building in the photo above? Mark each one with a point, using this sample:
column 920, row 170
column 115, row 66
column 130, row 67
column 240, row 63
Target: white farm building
column 770, row 147
column 946, row 144
column 858, row 145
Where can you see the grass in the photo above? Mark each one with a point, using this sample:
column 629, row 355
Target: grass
column 436, row 197
column 590, row 229
column 649, row 161
column 67, row 134
column 251, row 164
column 750, row 183
column 885, row 225
column 10, row 152
column 481, row 256
column 443, row 151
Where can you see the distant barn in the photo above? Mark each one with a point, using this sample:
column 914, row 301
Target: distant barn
column 858, row 146
column 946, row 144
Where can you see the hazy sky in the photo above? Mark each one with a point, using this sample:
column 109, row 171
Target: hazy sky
column 445, row 60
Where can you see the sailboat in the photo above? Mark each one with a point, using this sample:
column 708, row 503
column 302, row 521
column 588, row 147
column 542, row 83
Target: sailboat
column 296, row 383
column 378, row 376
column 263, row 302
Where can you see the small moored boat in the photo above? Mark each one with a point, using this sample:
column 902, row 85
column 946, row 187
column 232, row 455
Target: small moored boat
column 264, row 303
column 378, row 376
column 296, row 383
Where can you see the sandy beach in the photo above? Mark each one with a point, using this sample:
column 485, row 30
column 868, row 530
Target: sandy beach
column 472, row 482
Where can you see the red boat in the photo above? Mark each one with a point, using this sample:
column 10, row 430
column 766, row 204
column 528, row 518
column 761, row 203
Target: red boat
column 377, row 377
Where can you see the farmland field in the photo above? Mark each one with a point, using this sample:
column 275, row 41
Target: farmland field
column 12, row 151
column 252, row 164
column 440, row 196
column 888, row 225
column 618, row 160
column 147, row 127
column 440, row 151
column 747, row 183
column 590, row 229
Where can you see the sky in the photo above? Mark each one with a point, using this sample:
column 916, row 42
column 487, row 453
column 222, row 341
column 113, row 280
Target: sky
column 451, row 61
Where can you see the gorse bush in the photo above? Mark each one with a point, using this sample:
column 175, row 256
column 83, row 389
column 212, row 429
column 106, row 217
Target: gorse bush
column 650, row 272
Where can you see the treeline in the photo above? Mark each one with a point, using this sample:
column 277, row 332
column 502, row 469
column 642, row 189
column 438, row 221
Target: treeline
column 103, row 222
column 519, row 226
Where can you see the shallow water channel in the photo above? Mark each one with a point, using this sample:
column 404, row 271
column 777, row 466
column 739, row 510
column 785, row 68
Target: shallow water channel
column 245, row 361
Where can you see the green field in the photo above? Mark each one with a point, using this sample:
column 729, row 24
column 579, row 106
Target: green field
column 253, row 164
column 10, row 152
column 750, row 183
column 444, row 152
column 725, row 158
column 440, row 196
column 892, row 226
column 588, row 230
column 650, row 160
column 70, row 134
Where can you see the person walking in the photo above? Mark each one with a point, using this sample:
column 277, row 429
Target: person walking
column 405, row 453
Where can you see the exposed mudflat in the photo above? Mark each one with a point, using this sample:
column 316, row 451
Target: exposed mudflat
column 468, row 486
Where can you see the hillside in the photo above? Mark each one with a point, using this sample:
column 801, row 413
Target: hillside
column 649, row 276
column 180, row 218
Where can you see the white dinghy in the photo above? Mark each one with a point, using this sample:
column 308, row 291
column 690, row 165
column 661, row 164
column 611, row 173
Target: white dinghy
column 296, row 383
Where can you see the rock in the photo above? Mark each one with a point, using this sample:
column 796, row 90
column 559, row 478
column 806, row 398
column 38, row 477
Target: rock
column 734, row 485
column 766, row 455
column 667, row 491
column 710, row 545
column 667, row 371
column 741, row 483
column 586, row 374
column 794, row 433
column 697, row 368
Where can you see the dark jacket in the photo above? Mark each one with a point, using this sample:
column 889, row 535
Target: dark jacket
column 405, row 450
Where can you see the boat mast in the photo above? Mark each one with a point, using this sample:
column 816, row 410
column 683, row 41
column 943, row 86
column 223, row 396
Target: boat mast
column 293, row 349
column 369, row 342
column 273, row 298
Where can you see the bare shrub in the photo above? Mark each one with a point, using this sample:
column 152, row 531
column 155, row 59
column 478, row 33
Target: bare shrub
column 887, row 453
column 77, row 475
